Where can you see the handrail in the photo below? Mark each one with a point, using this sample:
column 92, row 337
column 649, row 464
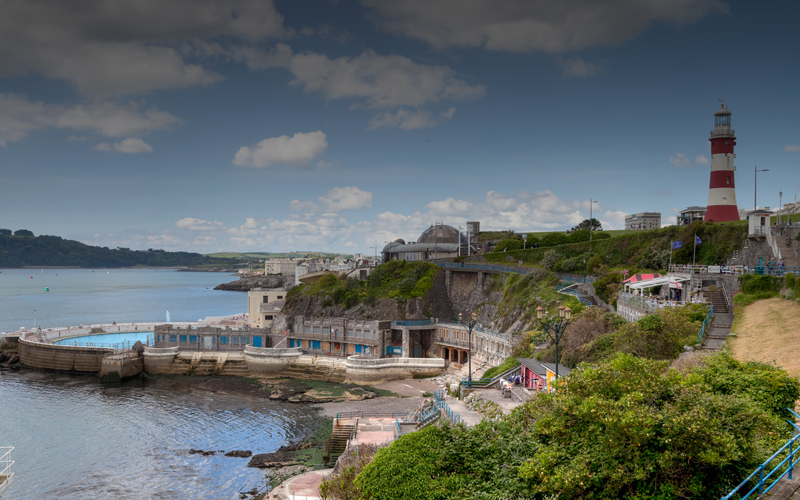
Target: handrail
column 488, row 382
column 776, row 252
column 438, row 396
column 761, row 487
column 564, row 288
column 706, row 321
column 417, row 322
column 5, row 458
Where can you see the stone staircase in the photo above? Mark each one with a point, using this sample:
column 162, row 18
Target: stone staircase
column 718, row 331
column 313, row 373
column 338, row 443
column 719, row 303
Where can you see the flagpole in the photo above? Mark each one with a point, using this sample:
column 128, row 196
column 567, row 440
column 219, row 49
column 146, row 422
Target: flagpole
column 694, row 252
column 670, row 256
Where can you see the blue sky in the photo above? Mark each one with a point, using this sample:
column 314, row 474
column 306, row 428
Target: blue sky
column 341, row 125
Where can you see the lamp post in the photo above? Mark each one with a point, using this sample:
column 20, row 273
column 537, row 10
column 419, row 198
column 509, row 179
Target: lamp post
column 584, row 269
column 591, row 205
column 554, row 327
column 755, row 185
column 780, row 205
column 469, row 326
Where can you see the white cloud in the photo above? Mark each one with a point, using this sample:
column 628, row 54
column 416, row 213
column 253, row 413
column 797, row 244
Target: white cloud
column 577, row 67
column 449, row 206
column 526, row 26
column 789, row 148
column 325, row 165
column 614, row 219
column 701, row 160
column 19, row 117
column 381, row 81
column 303, row 206
column 498, row 201
column 297, row 150
column 128, row 146
column 680, row 160
column 191, row 224
column 346, row 198
column 106, row 47
column 407, row 120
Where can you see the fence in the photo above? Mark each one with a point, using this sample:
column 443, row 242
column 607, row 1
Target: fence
column 5, row 466
column 763, row 484
column 564, row 288
column 438, row 396
column 706, row 322
column 764, row 269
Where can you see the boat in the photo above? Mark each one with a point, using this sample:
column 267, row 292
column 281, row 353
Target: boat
column 6, row 475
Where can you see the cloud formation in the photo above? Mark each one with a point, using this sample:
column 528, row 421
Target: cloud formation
column 701, row 160
column 297, row 150
column 790, row 148
column 578, row 68
column 19, row 117
column 105, row 47
column 191, row 224
column 346, row 198
column 127, row 146
column 381, row 81
column 680, row 160
column 407, row 120
column 525, row 26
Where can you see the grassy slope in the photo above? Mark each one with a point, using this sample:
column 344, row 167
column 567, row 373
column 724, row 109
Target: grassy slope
column 768, row 331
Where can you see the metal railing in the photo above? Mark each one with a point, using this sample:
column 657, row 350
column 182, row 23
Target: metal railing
column 706, row 322
column 418, row 322
column 776, row 252
column 764, row 483
column 438, row 396
column 564, row 288
column 575, row 279
column 484, row 382
column 488, row 267
column 5, row 463
column 705, row 269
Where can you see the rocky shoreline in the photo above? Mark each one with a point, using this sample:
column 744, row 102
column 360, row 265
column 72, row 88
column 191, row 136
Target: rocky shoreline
column 248, row 282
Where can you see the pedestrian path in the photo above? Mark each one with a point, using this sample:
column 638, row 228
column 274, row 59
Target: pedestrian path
column 469, row 417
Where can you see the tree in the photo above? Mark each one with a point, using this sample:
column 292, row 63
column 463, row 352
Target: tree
column 23, row 232
column 5, row 232
column 596, row 226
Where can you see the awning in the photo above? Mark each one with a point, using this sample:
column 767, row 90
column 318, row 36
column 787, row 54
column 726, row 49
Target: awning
column 660, row 281
column 641, row 277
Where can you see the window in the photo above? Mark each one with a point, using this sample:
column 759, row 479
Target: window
column 265, row 299
column 193, row 339
column 173, row 338
column 280, row 297
column 268, row 316
column 183, row 339
column 729, row 179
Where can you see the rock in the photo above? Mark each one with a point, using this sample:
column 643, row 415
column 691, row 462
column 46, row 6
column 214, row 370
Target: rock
column 239, row 453
column 246, row 283
column 202, row 452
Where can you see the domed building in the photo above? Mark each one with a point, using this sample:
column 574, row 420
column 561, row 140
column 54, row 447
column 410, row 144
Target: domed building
column 437, row 242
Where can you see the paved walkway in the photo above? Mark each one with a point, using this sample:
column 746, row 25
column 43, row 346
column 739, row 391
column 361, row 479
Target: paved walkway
column 469, row 417
column 302, row 487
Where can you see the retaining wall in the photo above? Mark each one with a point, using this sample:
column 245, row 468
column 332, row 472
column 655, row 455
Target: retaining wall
column 61, row 358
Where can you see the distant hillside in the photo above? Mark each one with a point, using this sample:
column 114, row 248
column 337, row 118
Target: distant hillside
column 50, row 251
column 276, row 255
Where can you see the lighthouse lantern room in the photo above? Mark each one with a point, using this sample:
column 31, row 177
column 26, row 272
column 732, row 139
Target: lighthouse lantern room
column 722, row 188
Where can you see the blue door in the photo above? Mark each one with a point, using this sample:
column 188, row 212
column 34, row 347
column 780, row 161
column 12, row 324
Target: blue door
column 316, row 344
column 358, row 347
column 256, row 341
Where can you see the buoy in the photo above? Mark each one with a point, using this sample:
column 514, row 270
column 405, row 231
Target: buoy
column 47, row 289
column 31, row 277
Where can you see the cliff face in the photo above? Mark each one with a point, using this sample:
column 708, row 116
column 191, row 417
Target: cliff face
column 499, row 308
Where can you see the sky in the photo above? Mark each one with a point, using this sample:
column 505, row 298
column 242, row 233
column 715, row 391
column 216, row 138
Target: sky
column 249, row 125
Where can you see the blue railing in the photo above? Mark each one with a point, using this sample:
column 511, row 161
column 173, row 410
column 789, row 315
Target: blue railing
column 562, row 288
column 416, row 322
column 575, row 279
column 764, row 483
column 438, row 396
column 486, row 381
column 706, row 322
column 488, row 267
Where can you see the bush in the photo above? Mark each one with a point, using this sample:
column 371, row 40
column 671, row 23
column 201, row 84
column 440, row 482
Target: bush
column 755, row 283
column 508, row 245
column 550, row 258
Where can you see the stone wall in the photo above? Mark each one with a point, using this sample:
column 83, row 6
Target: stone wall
column 61, row 358
column 117, row 367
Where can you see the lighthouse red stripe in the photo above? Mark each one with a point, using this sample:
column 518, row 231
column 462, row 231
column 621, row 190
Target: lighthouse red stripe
column 718, row 145
column 722, row 178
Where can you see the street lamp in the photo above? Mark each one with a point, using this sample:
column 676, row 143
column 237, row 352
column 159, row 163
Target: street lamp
column 755, row 184
column 780, row 205
column 469, row 326
column 554, row 328
column 591, row 205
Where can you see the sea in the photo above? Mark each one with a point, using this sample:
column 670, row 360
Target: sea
column 76, row 438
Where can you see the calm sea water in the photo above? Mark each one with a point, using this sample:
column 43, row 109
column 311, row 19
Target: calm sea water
column 85, row 296
column 75, row 438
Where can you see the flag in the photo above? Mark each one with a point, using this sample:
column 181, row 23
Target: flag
column 625, row 273
column 676, row 245
column 697, row 240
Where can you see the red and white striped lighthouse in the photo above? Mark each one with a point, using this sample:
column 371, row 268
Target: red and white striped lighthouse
column 722, row 188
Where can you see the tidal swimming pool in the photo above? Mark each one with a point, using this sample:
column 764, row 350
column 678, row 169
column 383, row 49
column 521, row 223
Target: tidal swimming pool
column 115, row 340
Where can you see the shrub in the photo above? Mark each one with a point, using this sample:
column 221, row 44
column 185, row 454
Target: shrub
column 549, row 259
column 755, row 283
column 508, row 245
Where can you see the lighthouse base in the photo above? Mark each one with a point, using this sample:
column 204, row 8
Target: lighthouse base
column 721, row 213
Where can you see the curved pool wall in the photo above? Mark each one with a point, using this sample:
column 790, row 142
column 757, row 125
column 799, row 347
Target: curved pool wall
column 39, row 350
column 122, row 340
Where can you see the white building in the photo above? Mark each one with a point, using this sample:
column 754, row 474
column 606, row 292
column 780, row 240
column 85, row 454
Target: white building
column 263, row 304
column 285, row 267
column 643, row 220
